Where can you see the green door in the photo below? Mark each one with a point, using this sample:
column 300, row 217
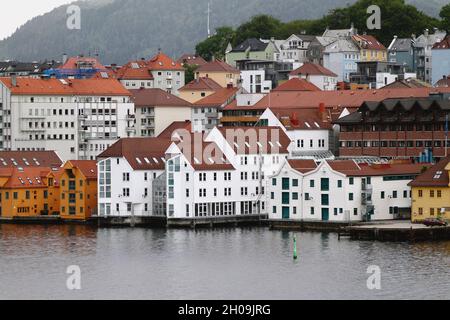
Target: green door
column 325, row 214
column 286, row 213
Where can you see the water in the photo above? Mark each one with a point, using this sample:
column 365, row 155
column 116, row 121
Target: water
column 213, row 264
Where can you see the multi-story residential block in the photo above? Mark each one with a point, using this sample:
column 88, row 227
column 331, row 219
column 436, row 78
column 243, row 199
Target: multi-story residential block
column 127, row 173
column 254, row 81
column 440, row 60
column 262, row 75
column 78, row 190
column 341, row 57
column 206, row 113
column 370, row 48
column 294, row 48
column 376, row 74
column 341, row 191
column 255, row 49
column 223, row 174
column 160, row 72
column 198, row 89
column 156, row 109
column 431, row 193
column 76, row 118
column 220, row 72
column 321, row 77
column 423, row 45
column 401, row 51
column 310, row 130
column 396, row 129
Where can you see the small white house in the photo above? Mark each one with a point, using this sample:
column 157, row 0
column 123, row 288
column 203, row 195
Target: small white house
column 321, row 77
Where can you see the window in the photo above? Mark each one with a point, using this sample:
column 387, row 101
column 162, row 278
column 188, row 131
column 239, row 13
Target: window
column 295, row 196
column 420, row 193
column 339, row 183
column 439, row 193
column 311, row 183
column 355, row 212
column 325, row 200
column 383, row 195
column 285, row 183
column 325, row 184
column 285, row 198
column 312, row 211
column 394, row 194
column 126, row 177
column 274, row 209
column 352, row 181
column 350, row 196
column 431, row 193
column 272, row 195
column 126, row 192
column 274, row 181
column 295, row 183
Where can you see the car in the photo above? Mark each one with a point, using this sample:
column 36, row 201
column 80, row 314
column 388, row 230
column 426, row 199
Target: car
column 432, row 222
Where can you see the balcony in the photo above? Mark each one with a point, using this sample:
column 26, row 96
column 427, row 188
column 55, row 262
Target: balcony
column 214, row 115
column 130, row 117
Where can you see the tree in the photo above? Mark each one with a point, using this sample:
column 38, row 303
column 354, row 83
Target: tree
column 445, row 16
column 217, row 44
column 262, row 26
column 189, row 72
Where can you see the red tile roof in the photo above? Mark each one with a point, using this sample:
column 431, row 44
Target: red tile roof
column 305, row 118
column 436, row 176
column 218, row 66
column 191, row 59
column 443, row 83
column 135, row 70
column 85, row 87
column 177, row 125
column 297, row 84
column 141, row 153
column 352, row 169
column 9, row 159
column 156, row 97
column 72, row 63
column 87, row 167
column 368, row 42
column 303, row 166
column 164, row 62
column 267, row 140
column 335, row 99
column 218, row 99
column 312, row 69
column 30, row 177
column 444, row 44
column 201, row 84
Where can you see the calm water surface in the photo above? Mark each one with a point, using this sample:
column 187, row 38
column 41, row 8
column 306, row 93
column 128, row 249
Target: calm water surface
column 213, row 264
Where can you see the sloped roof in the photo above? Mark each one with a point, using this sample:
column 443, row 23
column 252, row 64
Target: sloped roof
column 443, row 83
column 401, row 44
column 268, row 140
column 202, row 83
column 156, row 97
column 297, row 84
column 303, row 166
column 407, row 83
column 135, row 70
column 176, row 125
column 444, row 44
column 369, row 42
column 436, row 176
column 191, row 59
column 87, row 167
column 352, row 169
column 251, row 44
column 68, row 87
column 311, row 69
column 305, row 118
column 30, row 177
column 218, row 99
column 164, row 62
column 9, row 159
column 217, row 66
column 138, row 150
column 72, row 63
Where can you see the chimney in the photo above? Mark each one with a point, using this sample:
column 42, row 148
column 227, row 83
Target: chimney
column 213, row 58
column 14, row 80
column 426, row 32
column 323, row 112
column 65, row 58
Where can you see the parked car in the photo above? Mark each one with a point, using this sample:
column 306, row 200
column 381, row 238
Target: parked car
column 432, row 222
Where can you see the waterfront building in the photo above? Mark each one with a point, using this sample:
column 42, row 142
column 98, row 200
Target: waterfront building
column 156, row 109
column 440, row 60
column 396, row 129
column 221, row 72
column 341, row 191
column 431, row 193
column 127, row 173
column 321, row 77
column 78, row 190
column 76, row 118
column 160, row 72
column 198, row 89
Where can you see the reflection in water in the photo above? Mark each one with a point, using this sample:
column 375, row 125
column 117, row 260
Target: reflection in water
column 247, row 263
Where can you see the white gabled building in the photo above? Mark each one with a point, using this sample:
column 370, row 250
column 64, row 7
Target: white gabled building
column 226, row 170
column 76, row 118
column 130, row 175
column 341, row 191
column 318, row 75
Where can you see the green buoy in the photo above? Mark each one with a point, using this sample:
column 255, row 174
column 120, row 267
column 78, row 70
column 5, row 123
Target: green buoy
column 295, row 248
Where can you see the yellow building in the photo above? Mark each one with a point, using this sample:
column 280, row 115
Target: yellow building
column 24, row 192
column 198, row 89
column 78, row 189
column 431, row 193
column 221, row 72
column 370, row 48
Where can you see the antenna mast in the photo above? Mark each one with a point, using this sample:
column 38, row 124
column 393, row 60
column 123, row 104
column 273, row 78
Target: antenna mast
column 209, row 19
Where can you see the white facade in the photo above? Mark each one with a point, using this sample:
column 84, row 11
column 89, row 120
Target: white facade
column 204, row 119
column 385, row 78
column 323, row 194
column 77, row 127
column 253, row 81
column 293, row 49
column 323, row 82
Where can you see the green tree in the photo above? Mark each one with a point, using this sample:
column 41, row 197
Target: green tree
column 217, row 44
column 261, row 26
column 445, row 16
column 189, row 72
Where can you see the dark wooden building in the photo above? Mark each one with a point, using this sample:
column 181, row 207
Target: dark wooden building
column 396, row 129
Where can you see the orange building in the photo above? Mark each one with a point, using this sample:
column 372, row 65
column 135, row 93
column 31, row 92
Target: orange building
column 54, row 197
column 78, row 190
column 24, row 192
